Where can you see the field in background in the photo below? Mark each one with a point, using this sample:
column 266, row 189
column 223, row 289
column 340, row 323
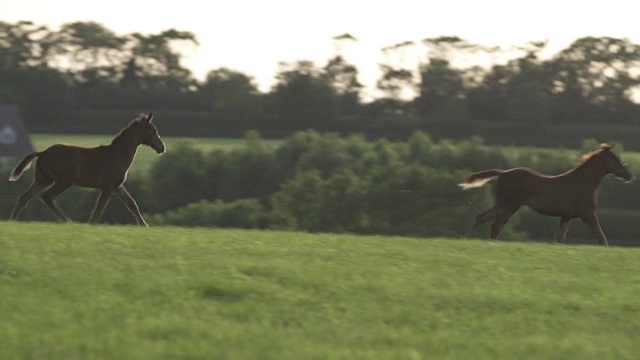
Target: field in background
column 145, row 156
column 79, row 291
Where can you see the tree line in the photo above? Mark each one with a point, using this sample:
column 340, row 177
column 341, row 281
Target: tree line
column 52, row 73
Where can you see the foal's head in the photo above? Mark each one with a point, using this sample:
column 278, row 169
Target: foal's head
column 611, row 162
column 147, row 133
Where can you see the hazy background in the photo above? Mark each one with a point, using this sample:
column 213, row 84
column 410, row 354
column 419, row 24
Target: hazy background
column 254, row 36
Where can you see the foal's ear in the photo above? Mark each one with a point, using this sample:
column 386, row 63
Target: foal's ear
column 149, row 117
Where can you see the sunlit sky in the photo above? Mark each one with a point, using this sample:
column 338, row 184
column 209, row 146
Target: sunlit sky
column 253, row 36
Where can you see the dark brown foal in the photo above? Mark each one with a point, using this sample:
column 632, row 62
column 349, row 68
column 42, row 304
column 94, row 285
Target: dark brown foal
column 103, row 167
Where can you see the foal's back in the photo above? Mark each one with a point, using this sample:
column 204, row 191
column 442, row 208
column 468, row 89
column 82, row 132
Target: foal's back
column 550, row 195
column 93, row 167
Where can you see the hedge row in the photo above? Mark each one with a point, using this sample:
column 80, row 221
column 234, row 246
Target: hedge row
column 328, row 183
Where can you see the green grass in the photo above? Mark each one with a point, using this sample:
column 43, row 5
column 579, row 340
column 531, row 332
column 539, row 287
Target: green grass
column 145, row 156
column 113, row 292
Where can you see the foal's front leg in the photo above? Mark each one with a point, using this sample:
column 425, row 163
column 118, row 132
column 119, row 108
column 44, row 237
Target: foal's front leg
column 592, row 221
column 130, row 203
column 105, row 195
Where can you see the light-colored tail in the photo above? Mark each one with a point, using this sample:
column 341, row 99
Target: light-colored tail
column 479, row 179
column 22, row 166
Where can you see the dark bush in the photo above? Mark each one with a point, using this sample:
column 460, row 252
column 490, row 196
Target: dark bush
column 245, row 213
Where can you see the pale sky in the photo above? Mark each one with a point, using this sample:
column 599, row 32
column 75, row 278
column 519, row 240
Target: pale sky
column 253, row 36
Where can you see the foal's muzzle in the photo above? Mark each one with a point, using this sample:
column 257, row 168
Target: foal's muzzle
column 624, row 174
column 160, row 149
column 157, row 145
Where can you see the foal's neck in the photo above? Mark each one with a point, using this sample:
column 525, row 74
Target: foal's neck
column 591, row 172
column 125, row 144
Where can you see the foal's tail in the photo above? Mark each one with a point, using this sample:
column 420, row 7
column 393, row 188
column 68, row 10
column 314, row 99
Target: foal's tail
column 22, row 166
column 479, row 179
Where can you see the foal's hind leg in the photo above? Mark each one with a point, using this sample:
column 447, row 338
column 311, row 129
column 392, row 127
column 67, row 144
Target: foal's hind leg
column 49, row 198
column 24, row 199
column 503, row 215
column 563, row 227
column 481, row 219
column 105, row 195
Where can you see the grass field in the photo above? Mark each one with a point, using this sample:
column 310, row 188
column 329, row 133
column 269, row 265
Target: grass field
column 112, row 292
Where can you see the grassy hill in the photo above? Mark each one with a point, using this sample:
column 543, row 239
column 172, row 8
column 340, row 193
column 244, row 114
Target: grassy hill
column 116, row 292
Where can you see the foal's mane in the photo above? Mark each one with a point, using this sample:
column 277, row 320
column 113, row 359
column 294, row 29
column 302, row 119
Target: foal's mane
column 131, row 123
column 603, row 147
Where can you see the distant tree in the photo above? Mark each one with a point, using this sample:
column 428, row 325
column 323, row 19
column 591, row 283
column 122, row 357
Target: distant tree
column 343, row 76
column 89, row 51
column 452, row 48
column 530, row 103
column 94, row 55
column 49, row 97
column 394, row 82
column 595, row 78
column 158, row 62
column 130, row 75
column 440, row 85
column 303, row 97
column 446, row 77
column 233, row 96
column 44, row 94
column 397, row 79
column 23, row 45
column 517, row 91
column 488, row 100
